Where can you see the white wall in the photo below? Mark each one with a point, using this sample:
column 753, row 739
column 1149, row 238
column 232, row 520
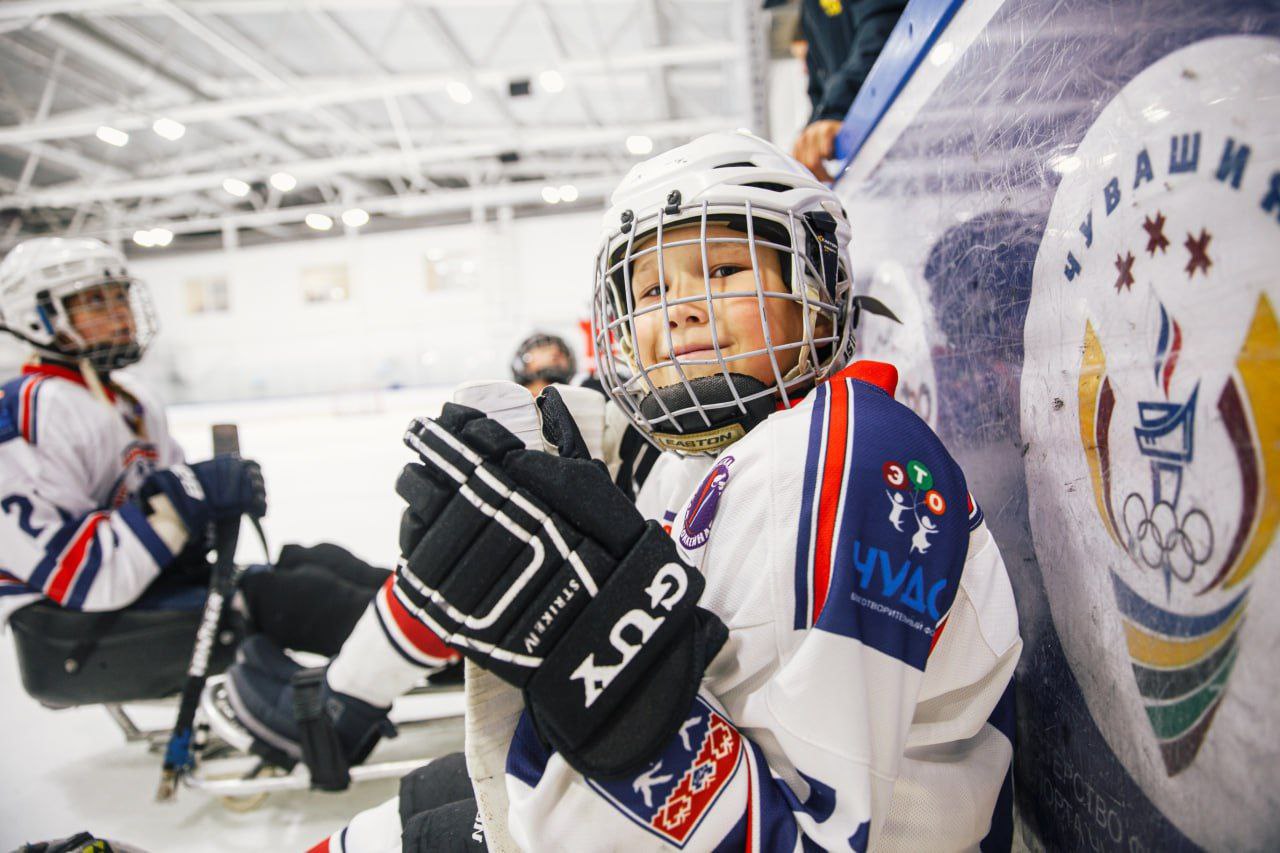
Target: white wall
column 530, row 273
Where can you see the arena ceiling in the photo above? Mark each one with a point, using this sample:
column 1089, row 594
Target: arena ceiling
column 167, row 124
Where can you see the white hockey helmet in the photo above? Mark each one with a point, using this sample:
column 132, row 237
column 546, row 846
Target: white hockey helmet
column 739, row 180
column 38, row 276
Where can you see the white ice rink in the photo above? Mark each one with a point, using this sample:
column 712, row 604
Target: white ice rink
column 330, row 464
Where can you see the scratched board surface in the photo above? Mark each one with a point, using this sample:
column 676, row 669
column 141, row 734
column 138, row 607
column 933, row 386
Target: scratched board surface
column 1075, row 209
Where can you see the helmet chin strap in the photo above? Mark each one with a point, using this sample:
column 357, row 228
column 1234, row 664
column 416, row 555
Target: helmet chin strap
column 689, row 434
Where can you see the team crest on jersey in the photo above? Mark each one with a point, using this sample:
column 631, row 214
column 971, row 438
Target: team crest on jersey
column 1156, row 492
column 137, row 462
column 674, row 793
column 701, row 511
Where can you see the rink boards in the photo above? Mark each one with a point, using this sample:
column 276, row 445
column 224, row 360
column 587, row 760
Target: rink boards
column 1075, row 209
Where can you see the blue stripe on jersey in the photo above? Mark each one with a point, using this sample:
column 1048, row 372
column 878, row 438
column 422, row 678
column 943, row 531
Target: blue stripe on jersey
column 133, row 517
column 892, row 583
column 53, row 550
column 999, row 838
column 778, row 828
column 9, row 427
column 804, row 536
column 527, row 758
column 16, row 589
column 88, row 573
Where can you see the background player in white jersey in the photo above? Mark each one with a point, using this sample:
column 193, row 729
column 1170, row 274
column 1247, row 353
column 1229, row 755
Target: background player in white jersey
column 96, row 499
column 97, row 507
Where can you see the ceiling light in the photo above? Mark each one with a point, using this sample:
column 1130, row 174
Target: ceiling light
column 143, row 238
column 113, row 136
column 639, row 144
column 318, row 221
column 168, row 128
column 283, row 181
column 355, row 217
column 550, row 195
column 236, row 187
column 161, row 236
column 568, row 192
column 551, row 81
column 459, row 91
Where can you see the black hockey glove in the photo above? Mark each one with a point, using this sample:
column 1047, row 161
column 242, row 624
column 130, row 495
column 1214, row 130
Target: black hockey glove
column 540, row 570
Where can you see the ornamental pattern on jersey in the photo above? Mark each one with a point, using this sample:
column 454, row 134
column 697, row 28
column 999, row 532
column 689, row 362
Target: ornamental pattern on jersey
column 674, row 793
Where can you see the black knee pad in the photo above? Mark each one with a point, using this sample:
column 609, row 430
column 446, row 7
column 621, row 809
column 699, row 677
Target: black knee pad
column 453, row 828
column 439, row 783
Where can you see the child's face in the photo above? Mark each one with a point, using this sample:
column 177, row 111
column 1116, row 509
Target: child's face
column 102, row 315
column 736, row 319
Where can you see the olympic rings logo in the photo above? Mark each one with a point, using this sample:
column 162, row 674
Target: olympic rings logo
column 1161, row 540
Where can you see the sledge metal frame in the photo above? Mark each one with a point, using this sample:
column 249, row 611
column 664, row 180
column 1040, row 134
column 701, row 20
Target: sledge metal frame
column 222, row 756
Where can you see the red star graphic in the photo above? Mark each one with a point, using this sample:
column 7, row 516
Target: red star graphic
column 1199, row 249
column 1155, row 233
column 1125, row 267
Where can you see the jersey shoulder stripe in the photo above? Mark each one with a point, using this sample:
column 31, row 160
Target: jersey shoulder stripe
column 890, row 524
column 19, row 415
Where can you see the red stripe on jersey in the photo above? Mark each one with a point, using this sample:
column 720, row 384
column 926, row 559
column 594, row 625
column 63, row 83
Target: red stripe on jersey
column 937, row 633
column 42, row 369
column 26, row 411
column 73, row 558
column 831, row 494
column 320, row 847
column 420, row 636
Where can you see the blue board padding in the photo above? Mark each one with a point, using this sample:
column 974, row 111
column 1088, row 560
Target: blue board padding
column 909, row 43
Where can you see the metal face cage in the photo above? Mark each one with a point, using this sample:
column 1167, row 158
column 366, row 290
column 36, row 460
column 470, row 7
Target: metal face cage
column 135, row 313
column 807, row 262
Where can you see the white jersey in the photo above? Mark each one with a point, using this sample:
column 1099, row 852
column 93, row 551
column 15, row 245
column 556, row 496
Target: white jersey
column 69, row 466
column 864, row 698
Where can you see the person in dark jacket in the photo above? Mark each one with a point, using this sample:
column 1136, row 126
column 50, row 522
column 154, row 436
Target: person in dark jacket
column 844, row 38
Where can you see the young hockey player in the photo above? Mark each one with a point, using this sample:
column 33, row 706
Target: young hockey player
column 781, row 657
column 96, row 499
column 96, row 504
column 800, row 664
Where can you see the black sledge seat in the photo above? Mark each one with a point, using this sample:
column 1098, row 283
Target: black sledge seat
column 68, row 658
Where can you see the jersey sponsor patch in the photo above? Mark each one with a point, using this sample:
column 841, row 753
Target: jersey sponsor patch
column 701, row 511
column 674, row 793
column 882, row 541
